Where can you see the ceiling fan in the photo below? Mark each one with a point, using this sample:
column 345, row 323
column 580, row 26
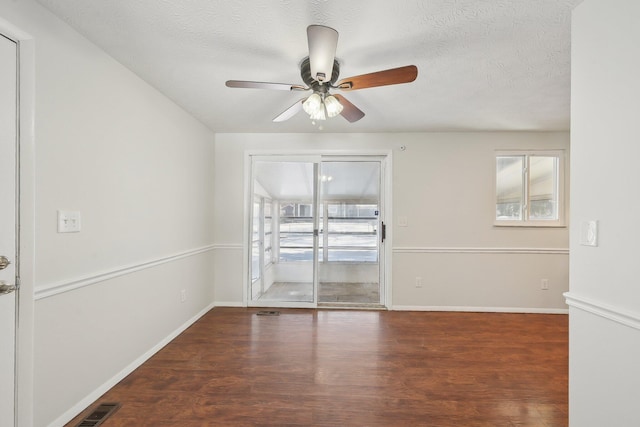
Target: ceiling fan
column 320, row 71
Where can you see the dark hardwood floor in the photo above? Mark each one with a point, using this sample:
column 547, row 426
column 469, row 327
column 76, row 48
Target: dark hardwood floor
column 352, row 368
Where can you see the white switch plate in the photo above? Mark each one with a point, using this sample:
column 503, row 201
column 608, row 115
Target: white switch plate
column 402, row 221
column 68, row 221
column 589, row 233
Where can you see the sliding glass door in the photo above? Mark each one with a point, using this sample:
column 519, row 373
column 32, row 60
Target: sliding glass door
column 351, row 224
column 283, row 237
column 316, row 230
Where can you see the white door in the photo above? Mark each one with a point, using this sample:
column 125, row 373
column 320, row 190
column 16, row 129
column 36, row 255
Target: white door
column 8, row 245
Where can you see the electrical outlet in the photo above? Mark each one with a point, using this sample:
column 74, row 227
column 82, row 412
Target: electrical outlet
column 183, row 295
column 418, row 282
column 544, row 284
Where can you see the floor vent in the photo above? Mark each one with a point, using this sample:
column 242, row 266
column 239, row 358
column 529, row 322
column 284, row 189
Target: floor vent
column 101, row 413
column 268, row 313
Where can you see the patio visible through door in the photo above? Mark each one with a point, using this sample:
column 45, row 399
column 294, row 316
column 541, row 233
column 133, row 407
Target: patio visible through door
column 317, row 230
column 351, row 225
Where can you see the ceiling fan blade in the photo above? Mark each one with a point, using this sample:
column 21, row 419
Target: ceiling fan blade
column 264, row 85
column 349, row 111
column 393, row 76
column 290, row 112
column 323, row 42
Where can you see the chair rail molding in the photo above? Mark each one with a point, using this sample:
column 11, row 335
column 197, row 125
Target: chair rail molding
column 607, row 311
column 228, row 246
column 478, row 250
column 62, row 286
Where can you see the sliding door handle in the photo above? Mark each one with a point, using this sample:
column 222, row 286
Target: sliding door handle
column 383, row 233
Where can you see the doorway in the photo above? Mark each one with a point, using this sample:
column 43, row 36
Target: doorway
column 8, row 226
column 317, row 231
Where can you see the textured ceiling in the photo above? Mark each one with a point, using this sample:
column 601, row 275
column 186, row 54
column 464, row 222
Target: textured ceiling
column 483, row 64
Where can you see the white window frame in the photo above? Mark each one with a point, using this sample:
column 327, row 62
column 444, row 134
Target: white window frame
column 298, row 204
column 267, row 238
column 525, row 221
column 257, row 200
column 324, row 254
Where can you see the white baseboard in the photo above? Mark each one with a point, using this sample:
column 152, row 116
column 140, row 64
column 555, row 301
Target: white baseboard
column 229, row 304
column 530, row 310
column 89, row 399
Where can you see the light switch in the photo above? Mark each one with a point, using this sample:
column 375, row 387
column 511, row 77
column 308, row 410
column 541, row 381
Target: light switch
column 402, row 221
column 68, row 221
column 589, row 233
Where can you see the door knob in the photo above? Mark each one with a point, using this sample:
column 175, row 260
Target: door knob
column 6, row 288
column 4, row 262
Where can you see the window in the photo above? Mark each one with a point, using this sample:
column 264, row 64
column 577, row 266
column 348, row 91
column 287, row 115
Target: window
column 296, row 232
column 255, row 241
column 529, row 188
column 351, row 232
column 348, row 232
column 267, row 237
column 262, row 235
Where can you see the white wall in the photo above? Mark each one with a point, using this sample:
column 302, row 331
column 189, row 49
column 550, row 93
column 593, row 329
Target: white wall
column 604, row 373
column 138, row 168
column 443, row 184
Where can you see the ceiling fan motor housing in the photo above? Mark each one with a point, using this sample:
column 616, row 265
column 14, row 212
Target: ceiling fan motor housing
column 322, row 87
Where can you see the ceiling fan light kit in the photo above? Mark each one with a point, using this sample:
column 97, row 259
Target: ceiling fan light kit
column 320, row 71
column 333, row 106
column 312, row 104
column 319, row 107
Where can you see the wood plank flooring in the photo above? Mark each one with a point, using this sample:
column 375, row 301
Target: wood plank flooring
column 353, row 368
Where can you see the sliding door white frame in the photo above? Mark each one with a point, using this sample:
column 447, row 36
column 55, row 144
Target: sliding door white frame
column 386, row 161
